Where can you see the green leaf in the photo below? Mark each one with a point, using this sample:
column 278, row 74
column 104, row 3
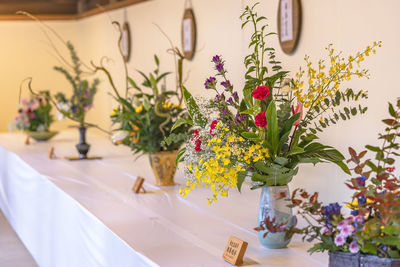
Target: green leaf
column 281, row 161
column 134, row 85
column 180, row 122
column 295, row 150
column 156, row 60
column 162, row 76
column 391, row 111
column 249, row 135
column 193, row 109
column 287, row 126
column 373, row 148
column 272, row 127
column 179, row 156
column 240, row 179
column 254, row 110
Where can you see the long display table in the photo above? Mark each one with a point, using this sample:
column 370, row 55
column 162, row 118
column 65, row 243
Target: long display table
column 83, row 213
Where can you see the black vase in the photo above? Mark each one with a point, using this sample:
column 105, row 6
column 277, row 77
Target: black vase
column 82, row 147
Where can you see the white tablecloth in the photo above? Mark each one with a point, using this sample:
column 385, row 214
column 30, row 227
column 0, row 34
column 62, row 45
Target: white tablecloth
column 84, row 213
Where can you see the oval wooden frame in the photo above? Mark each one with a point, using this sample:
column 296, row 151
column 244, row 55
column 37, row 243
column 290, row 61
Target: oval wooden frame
column 188, row 14
column 289, row 46
column 125, row 28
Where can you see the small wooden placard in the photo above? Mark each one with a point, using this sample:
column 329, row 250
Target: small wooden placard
column 234, row 251
column 73, row 158
column 51, row 153
column 289, row 38
column 138, row 185
column 27, row 140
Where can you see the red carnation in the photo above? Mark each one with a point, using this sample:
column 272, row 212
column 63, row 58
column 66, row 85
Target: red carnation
column 261, row 120
column 212, row 126
column 197, row 148
column 195, row 134
column 261, row 92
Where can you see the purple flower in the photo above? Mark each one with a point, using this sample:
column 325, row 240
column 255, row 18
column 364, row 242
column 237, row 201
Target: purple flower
column 216, row 59
column 359, row 219
column 223, row 111
column 360, row 181
column 342, row 224
column 210, row 83
column 354, row 247
column 226, row 84
column 347, row 230
column 230, row 101
column 340, row 240
column 325, row 230
column 330, row 211
column 354, row 212
column 362, row 200
column 235, row 96
column 220, row 67
column 241, row 117
column 219, row 97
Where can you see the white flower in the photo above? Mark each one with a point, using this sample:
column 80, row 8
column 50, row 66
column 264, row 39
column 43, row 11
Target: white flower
column 64, row 107
column 286, row 89
column 119, row 136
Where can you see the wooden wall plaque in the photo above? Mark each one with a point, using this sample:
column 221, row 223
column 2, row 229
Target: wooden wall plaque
column 289, row 24
column 126, row 42
column 189, row 34
column 138, row 185
column 234, row 251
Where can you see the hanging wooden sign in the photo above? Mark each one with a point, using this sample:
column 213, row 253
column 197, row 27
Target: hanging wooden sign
column 234, row 251
column 125, row 42
column 188, row 34
column 289, row 24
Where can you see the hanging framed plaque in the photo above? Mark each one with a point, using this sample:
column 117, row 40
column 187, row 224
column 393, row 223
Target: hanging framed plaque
column 188, row 33
column 125, row 42
column 289, row 24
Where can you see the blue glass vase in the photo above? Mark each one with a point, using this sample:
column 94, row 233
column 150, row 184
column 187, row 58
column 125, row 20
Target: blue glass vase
column 273, row 203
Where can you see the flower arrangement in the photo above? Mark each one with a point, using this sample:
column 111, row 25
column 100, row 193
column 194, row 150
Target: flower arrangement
column 373, row 227
column 76, row 106
column 273, row 128
column 34, row 114
column 144, row 118
column 146, row 114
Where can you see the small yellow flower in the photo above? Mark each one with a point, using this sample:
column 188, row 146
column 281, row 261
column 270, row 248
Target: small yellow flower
column 139, row 109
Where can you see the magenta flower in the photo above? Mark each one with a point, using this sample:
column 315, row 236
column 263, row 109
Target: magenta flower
column 354, row 247
column 325, row 230
column 347, row 230
column 216, row 59
column 210, row 83
column 340, row 240
column 342, row 224
column 220, row 67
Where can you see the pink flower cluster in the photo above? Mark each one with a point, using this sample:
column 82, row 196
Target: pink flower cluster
column 27, row 110
column 347, row 229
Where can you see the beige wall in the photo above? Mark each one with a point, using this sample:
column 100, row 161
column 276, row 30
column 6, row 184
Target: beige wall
column 349, row 24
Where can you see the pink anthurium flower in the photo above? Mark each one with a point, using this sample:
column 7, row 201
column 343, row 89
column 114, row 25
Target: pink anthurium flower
column 298, row 109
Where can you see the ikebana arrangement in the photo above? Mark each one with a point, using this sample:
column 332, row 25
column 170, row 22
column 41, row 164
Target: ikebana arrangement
column 265, row 135
column 80, row 102
column 145, row 115
column 370, row 236
column 76, row 106
column 34, row 117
